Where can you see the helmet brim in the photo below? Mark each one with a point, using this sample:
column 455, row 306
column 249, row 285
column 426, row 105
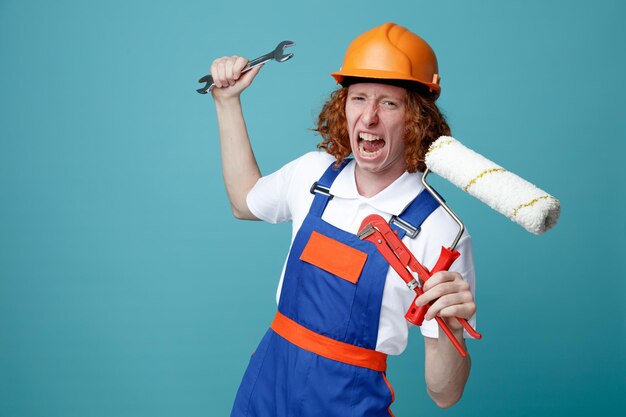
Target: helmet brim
column 347, row 77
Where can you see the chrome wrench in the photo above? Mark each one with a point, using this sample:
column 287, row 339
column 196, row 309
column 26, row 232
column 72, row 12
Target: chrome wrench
column 277, row 54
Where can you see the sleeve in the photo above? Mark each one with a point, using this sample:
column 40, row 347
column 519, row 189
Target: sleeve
column 464, row 265
column 267, row 200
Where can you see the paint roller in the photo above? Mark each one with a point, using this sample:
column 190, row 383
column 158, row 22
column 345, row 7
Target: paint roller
column 519, row 200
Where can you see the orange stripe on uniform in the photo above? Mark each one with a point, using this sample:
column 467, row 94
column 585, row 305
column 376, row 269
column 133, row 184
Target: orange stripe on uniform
column 393, row 396
column 327, row 347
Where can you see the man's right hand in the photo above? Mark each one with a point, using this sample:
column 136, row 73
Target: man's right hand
column 228, row 78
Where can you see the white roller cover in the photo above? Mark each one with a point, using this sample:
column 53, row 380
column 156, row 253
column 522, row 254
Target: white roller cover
column 532, row 208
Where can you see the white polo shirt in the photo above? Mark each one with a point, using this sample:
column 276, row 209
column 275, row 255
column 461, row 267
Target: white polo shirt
column 285, row 196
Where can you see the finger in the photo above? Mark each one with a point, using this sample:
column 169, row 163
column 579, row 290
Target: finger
column 441, row 289
column 213, row 71
column 228, row 71
column 439, row 277
column 217, row 71
column 240, row 63
column 448, row 300
column 221, row 74
column 463, row 311
column 248, row 76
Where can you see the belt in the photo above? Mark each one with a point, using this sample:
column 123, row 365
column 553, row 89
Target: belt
column 328, row 347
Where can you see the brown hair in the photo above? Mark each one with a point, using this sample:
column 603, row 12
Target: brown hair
column 424, row 124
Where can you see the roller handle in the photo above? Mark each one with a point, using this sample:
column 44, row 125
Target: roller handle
column 416, row 314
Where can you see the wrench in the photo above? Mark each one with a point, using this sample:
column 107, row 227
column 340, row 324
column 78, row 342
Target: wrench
column 277, row 54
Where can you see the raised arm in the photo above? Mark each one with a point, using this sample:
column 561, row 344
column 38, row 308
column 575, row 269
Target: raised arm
column 239, row 166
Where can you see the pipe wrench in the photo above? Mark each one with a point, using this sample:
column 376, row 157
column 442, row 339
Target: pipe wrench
column 376, row 230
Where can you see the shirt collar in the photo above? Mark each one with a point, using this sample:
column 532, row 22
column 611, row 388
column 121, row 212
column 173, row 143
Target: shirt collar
column 392, row 199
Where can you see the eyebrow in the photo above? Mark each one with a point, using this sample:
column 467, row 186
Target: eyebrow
column 382, row 96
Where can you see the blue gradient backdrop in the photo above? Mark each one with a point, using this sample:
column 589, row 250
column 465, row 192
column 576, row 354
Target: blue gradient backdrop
column 127, row 288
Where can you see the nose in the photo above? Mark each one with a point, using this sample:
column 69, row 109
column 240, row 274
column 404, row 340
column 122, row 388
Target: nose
column 370, row 115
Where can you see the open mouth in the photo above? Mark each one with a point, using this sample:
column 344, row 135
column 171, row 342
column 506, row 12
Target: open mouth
column 370, row 145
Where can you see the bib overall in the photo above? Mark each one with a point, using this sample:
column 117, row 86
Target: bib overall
column 318, row 357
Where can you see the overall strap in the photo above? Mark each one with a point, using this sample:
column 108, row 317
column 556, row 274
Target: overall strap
column 412, row 217
column 321, row 188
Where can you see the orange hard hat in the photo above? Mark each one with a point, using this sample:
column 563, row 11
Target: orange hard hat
column 391, row 52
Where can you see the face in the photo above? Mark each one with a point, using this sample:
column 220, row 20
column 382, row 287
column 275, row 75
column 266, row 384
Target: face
column 376, row 126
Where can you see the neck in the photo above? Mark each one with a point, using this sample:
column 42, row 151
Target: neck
column 368, row 184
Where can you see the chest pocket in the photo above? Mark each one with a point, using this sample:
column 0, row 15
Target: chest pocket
column 327, row 284
column 334, row 257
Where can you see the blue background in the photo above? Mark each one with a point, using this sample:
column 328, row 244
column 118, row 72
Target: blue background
column 128, row 289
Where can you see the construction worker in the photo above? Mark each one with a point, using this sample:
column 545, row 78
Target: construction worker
column 340, row 307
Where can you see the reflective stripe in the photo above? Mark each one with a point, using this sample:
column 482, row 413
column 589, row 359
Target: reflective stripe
column 327, row 347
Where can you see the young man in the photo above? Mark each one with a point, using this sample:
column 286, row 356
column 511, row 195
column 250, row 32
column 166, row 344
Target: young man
column 340, row 307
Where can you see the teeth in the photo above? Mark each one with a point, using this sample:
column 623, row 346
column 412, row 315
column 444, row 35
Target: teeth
column 368, row 136
column 366, row 153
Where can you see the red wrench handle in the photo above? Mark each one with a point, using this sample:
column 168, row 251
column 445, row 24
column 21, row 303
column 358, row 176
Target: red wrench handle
column 416, row 314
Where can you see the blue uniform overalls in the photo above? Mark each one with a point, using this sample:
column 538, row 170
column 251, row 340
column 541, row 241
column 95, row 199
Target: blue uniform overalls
column 285, row 380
